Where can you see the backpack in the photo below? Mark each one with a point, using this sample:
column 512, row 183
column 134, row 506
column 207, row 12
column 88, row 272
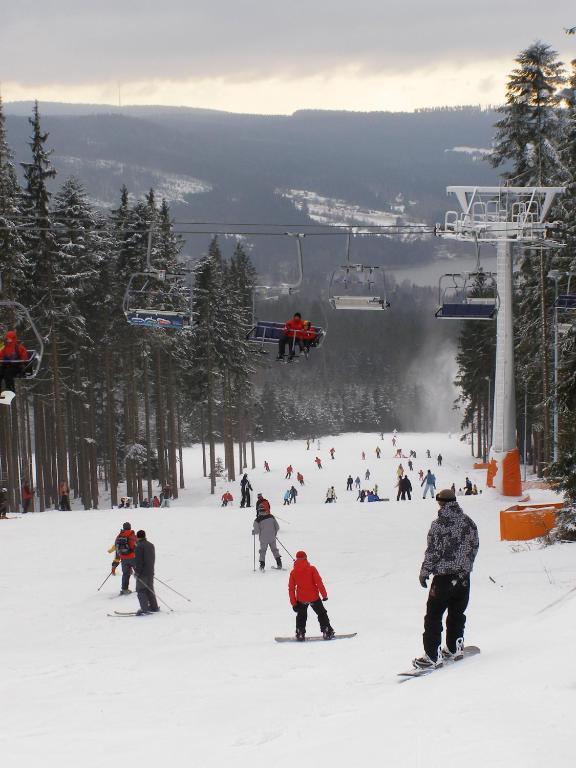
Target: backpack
column 123, row 545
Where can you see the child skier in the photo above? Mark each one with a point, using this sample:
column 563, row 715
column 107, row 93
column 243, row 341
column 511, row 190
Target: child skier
column 266, row 527
column 305, row 587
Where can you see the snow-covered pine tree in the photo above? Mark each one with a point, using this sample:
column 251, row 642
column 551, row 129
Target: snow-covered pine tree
column 527, row 143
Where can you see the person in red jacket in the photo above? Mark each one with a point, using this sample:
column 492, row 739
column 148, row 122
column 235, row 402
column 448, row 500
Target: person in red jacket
column 227, row 498
column 318, row 461
column 305, row 587
column 300, row 478
column 13, row 355
column 262, row 505
column 125, row 548
column 293, row 329
column 27, row 497
column 289, row 471
column 307, row 337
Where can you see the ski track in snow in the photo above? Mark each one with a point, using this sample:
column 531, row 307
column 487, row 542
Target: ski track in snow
column 207, row 685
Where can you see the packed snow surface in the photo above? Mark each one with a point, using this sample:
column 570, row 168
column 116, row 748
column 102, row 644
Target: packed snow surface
column 206, row 685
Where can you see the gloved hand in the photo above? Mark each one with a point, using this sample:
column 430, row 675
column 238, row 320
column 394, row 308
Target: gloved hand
column 423, row 579
column 113, row 570
column 295, row 608
column 324, row 599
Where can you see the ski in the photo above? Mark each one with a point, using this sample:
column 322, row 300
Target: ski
column 469, row 650
column 123, row 613
column 313, row 638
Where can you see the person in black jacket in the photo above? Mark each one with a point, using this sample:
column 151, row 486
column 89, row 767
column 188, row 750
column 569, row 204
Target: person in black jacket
column 246, row 488
column 144, row 569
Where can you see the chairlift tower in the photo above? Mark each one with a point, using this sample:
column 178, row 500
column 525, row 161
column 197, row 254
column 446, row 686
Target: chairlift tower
column 503, row 216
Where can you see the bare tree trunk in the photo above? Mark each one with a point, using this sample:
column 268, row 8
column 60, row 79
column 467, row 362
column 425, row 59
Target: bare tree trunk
column 111, row 429
column 202, row 440
column 160, row 433
column 172, row 431
column 180, row 452
column 60, row 440
column 39, row 451
column 146, row 372
column 93, row 451
column 545, row 453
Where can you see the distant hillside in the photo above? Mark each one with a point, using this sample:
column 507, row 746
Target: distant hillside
column 337, row 167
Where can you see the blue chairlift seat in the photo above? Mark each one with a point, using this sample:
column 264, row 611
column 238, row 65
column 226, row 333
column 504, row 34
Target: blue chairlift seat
column 566, row 301
column 472, row 309
column 28, row 367
column 162, row 319
column 269, row 332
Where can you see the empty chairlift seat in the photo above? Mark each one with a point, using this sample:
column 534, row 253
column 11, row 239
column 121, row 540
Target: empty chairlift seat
column 359, row 302
column 471, row 309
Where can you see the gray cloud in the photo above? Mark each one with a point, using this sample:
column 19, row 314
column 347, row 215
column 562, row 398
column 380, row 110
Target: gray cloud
column 92, row 41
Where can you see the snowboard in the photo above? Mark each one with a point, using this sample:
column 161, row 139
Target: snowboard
column 313, row 638
column 469, row 650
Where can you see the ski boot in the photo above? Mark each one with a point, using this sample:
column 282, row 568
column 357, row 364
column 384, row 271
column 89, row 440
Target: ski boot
column 458, row 654
column 300, row 635
column 140, row 612
column 262, row 565
column 328, row 633
column 279, row 563
column 125, row 591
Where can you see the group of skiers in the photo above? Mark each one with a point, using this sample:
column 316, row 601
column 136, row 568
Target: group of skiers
column 13, row 359
column 136, row 556
column 297, row 333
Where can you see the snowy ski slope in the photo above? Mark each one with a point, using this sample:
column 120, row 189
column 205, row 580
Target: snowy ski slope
column 207, row 685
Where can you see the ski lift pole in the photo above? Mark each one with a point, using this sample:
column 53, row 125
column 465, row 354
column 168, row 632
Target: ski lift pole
column 149, row 249
column 285, row 550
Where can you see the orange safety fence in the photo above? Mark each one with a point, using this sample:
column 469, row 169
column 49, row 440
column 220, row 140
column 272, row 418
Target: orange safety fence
column 527, row 521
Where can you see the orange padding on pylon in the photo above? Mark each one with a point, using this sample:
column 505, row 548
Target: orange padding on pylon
column 511, row 482
column 481, row 466
column 523, row 522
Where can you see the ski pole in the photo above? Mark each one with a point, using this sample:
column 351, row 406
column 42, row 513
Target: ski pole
column 281, row 518
column 138, row 579
column 284, row 548
column 254, row 542
column 104, row 582
column 172, row 588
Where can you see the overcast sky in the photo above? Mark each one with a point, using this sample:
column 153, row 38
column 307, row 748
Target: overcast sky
column 256, row 56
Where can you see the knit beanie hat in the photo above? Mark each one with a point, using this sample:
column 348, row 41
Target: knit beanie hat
column 301, row 555
column 126, row 527
column 141, row 535
column 445, row 495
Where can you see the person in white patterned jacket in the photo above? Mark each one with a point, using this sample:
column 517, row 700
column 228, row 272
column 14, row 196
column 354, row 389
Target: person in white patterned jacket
column 449, row 558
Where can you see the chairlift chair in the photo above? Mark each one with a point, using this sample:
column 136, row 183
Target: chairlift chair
column 567, row 301
column 457, row 302
column 21, row 319
column 357, row 286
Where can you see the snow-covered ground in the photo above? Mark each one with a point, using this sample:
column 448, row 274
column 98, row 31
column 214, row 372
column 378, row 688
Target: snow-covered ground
column 207, row 685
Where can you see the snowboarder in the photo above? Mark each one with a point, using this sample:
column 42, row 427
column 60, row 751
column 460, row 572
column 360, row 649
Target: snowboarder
column 125, row 548
column 266, row 527
column 27, row 497
column 404, row 488
column 300, row 478
column 367, row 475
column 430, row 484
column 349, row 483
column 292, row 330
column 144, row 569
column 439, row 459
column 266, row 467
column 318, row 461
column 332, row 452
column 357, row 482
column 13, row 357
column 450, row 553
column 305, row 587
column 3, row 503
column 330, row 495
column 378, row 451
column 64, row 494
column 245, row 487
column 289, row 471
column 287, row 497
column 293, row 494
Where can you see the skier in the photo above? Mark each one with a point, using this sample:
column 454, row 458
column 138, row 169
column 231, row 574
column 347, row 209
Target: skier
column 400, row 471
column 300, row 478
column 420, row 475
column 393, row 442
column 367, row 475
column 13, row 356
column 144, row 569
column 349, row 483
column 378, row 451
column 125, row 547
column 308, row 444
column 262, row 505
column 165, row 496
column 332, row 451
column 3, row 503
column 363, row 455
column 428, row 456
column 293, row 494
column 292, row 330
column 430, row 484
column 404, row 488
column 245, row 487
column 305, row 587
column 287, row 498
column 155, row 502
column 289, row 471
column 227, row 498
column 266, row 467
column 64, row 494
column 439, row 459
column 450, row 553
column 266, row 527
column 330, row 495
column 318, row 461
column 357, row 482
column 410, row 465
column 27, row 497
